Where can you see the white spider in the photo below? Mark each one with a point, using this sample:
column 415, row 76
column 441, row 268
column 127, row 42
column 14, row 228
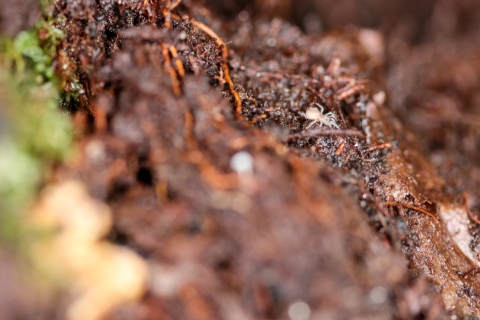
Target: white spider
column 329, row 119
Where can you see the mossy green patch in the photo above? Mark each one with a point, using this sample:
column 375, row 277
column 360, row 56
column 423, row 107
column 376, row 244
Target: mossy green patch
column 34, row 133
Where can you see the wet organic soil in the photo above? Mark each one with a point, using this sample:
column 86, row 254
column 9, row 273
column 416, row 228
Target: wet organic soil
column 192, row 126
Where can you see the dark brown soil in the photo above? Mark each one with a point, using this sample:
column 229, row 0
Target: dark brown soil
column 367, row 221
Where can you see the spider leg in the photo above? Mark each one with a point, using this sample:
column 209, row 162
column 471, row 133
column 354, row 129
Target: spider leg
column 311, row 124
column 331, row 120
column 333, row 123
column 320, row 106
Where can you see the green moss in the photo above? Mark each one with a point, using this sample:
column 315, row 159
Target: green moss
column 34, row 133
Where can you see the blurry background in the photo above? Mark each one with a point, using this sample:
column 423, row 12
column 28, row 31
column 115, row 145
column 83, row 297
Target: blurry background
column 314, row 16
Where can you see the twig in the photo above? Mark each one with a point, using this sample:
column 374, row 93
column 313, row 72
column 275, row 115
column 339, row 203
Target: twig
column 405, row 205
column 340, row 148
column 470, row 214
column 325, row 132
column 380, row 146
column 348, row 91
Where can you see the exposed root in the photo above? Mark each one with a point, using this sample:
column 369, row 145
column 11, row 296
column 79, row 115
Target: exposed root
column 168, row 17
column 178, row 63
column 470, row 214
column 224, row 65
column 177, row 89
column 408, row 206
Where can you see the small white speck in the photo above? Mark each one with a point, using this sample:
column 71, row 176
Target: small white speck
column 378, row 295
column 243, row 16
column 271, row 42
column 299, row 310
column 379, row 98
column 95, row 151
column 424, row 300
column 183, row 35
column 372, row 42
column 242, row 162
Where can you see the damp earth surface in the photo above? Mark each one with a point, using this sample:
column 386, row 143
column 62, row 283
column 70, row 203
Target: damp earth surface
column 194, row 123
